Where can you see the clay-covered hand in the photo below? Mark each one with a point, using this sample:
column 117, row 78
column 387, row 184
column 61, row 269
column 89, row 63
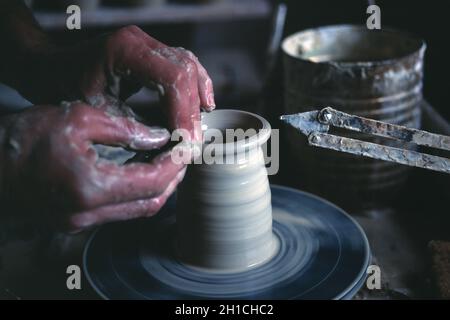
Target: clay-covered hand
column 117, row 65
column 47, row 162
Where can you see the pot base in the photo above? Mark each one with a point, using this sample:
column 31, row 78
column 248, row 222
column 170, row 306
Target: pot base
column 273, row 251
column 323, row 254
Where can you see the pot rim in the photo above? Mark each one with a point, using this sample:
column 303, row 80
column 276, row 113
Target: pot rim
column 254, row 141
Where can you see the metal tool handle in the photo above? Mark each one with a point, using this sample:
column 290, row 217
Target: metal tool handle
column 315, row 125
column 340, row 119
column 380, row 152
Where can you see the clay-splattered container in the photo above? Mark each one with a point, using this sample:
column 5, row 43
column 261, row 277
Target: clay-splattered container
column 370, row 73
column 224, row 211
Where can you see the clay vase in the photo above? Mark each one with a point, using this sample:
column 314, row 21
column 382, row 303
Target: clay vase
column 224, row 212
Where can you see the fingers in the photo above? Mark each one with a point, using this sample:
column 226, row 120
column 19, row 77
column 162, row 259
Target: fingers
column 124, row 211
column 99, row 127
column 185, row 84
column 183, row 104
column 177, row 80
column 205, row 87
column 107, row 183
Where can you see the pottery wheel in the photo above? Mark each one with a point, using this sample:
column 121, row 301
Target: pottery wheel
column 323, row 254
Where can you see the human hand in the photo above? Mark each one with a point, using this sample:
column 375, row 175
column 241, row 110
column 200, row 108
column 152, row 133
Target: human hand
column 48, row 163
column 115, row 66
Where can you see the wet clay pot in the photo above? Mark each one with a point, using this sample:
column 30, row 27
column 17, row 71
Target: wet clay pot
column 224, row 212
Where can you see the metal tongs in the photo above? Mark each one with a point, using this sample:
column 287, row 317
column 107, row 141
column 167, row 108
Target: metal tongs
column 316, row 124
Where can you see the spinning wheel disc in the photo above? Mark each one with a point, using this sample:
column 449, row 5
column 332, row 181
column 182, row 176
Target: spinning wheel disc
column 323, row 254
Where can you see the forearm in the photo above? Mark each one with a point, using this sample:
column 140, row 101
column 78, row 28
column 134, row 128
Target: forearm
column 22, row 38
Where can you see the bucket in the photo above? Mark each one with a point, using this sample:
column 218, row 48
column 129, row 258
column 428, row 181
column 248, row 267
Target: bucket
column 376, row 74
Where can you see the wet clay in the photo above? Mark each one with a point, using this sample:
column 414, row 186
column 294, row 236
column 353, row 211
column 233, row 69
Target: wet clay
column 224, row 212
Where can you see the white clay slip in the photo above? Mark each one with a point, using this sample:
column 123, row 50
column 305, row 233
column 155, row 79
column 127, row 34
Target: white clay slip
column 224, row 212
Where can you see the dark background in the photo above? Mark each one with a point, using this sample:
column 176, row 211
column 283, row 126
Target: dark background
column 239, row 79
